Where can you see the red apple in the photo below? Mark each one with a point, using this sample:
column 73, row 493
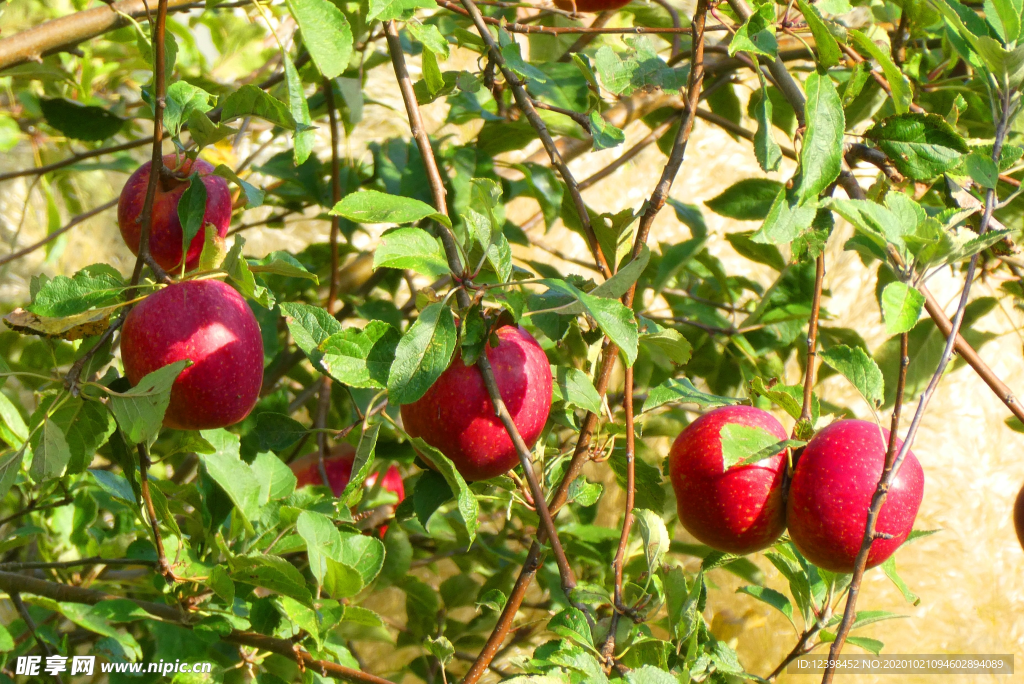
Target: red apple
column 590, row 5
column 1018, row 517
column 832, row 487
column 209, row 323
column 739, row 510
column 456, row 415
column 165, row 236
column 338, row 465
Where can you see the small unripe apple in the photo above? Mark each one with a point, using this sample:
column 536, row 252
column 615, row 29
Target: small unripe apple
column 456, row 415
column 739, row 510
column 832, row 487
column 165, row 236
column 338, row 464
column 1018, row 517
column 590, row 5
column 209, row 323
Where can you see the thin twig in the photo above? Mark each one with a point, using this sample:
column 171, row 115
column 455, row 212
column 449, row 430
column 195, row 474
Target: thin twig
column 627, row 519
column 57, row 233
column 30, row 624
column 812, row 339
column 893, row 463
column 525, row 103
column 63, row 565
column 147, row 498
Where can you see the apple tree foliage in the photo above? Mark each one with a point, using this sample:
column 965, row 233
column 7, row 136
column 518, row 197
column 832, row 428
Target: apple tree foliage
column 923, row 92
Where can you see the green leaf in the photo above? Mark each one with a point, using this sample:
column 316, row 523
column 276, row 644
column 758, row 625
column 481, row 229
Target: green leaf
column 183, row 101
column 363, row 553
column 1004, row 16
column 50, row 452
column 325, row 33
column 889, row 568
column 920, row 146
column 277, row 432
column 87, row 426
column 234, row 476
column 322, row 539
column 829, row 54
column 277, row 481
column 760, row 252
column 253, row 195
column 385, row 10
column 140, row 410
column 440, row 648
column 604, row 134
column 747, row 200
column 649, row 674
column 362, row 464
column 493, row 599
column 273, row 573
column 283, row 264
column 411, row 248
column 430, row 36
column 79, row 121
column 573, row 386
column 16, row 431
column 682, row 391
column 982, row 169
column 469, row 508
column 654, row 535
column 901, row 307
column 310, row 326
column 372, row 206
column 745, row 444
column 241, row 275
column 204, row 132
column 615, row 320
column 785, row 221
column 766, row 150
column 93, row 286
column 191, row 210
column 299, row 107
column 638, row 68
column 855, row 365
column 773, row 598
column 251, row 101
column 821, row 155
column 361, row 358
column 572, row 624
column 423, row 353
column 902, row 94
column 757, row 34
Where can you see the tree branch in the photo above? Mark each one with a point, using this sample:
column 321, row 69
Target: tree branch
column 812, row 339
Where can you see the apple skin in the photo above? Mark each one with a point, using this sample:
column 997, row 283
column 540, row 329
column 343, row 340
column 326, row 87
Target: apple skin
column 456, row 415
column 165, row 236
column 831, row 491
column 590, row 5
column 740, row 510
column 1018, row 517
column 338, row 465
column 209, row 323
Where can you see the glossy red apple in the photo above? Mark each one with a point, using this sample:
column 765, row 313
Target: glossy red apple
column 165, row 236
column 833, row 483
column 739, row 510
column 456, row 415
column 1018, row 517
column 590, row 5
column 209, row 323
column 338, row 465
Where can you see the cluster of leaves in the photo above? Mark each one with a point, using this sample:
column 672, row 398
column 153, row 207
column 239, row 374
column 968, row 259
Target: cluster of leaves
column 251, row 553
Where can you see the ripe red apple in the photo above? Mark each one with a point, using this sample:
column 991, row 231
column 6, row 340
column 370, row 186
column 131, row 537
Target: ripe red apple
column 739, row 510
column 590, row 5
column 456, row 415
column 833, row 483
column 165, row 236
column 1018, row 517
column 209, row 323
column 338, row 465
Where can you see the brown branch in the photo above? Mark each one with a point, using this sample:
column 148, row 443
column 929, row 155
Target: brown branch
column 584, row 40
column 33, row 507
column 30, row 624
column 147, row 498
column 859, row 151
column 63, row 565
column 812, row 339
column 14, row 583
column 57, row 233
column 74, row 159
column 454, row 263
column 332, row 114
column 627, row 520
column 525, row 103
column 894, row 460
column 514, row 27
